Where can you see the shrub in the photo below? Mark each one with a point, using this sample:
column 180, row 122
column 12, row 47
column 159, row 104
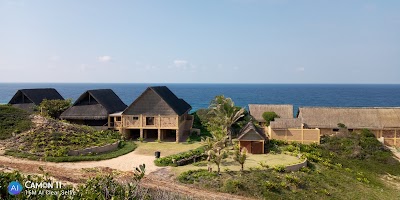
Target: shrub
column 168, row 160
column 270, row 186
column 232, row 186
column 279, row 168
column 192, row 176
column 269, row 116
column 54, row 108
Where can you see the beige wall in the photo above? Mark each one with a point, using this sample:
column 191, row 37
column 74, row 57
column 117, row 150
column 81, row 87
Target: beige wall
column 304, row 136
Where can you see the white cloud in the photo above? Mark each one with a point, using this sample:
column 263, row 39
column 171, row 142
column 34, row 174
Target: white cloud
column 104, row 58
column 181, row 63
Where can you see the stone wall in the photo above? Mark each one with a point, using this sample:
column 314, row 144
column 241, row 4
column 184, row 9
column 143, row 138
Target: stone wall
column 96, row 150
column 296, row 167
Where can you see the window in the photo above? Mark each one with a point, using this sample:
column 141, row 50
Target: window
column 149, row 120
column 135, row 118
column 118, row 119
column 335, row 130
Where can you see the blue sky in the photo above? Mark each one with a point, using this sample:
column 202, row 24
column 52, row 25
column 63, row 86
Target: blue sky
column 207, row 41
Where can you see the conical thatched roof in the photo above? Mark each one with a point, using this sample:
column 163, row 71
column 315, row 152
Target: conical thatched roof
column 94, row 104
column 35, row 96
column 353, row 118
column 158, row 100
column 251, row 132
column 283, row 111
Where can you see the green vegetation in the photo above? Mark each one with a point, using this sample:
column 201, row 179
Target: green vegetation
column 125, row 148
column 269, row 116
column 169, row 160
column 50, row 142
column 54, row 108
column 346, row 166
column 13, row 120
column 101, row 187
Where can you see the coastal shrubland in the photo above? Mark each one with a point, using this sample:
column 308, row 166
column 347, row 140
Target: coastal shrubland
column 13, row 121
column 345, row 166
column 51, row 140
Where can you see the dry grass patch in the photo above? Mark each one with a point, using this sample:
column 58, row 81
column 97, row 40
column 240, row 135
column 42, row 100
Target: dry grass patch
column 166, row 148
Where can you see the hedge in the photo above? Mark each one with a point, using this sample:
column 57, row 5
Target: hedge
column 168, row 160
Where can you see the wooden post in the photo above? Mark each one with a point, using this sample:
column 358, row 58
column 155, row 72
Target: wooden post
column 109, row 121
column 177, row 135
column 141, row 133
column 159, row 134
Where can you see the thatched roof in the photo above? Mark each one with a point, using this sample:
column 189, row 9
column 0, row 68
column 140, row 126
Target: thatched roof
column 158, row 101
column 251, row 132
column 280, row 123
column 353, row 118
column 94, row 104
column 35, row 96
column 283, row 111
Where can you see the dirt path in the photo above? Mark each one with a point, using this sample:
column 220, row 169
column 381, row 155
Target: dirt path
column 75, row 173
column 123, row 163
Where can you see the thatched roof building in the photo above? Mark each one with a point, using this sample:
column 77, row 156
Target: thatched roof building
column 158, row 100
column 353, row 118
column 251, row 132
column 279, row 123
column 283, row 111
column 27, row 98
column 252, row 138
column 94, row 105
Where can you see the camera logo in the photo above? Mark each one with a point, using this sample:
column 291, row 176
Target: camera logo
column 14, row 188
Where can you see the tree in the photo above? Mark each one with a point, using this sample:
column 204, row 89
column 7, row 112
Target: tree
column 54, row 108
column 224, row 114
column 216, row 156
column 269, row 116
column 240, row 157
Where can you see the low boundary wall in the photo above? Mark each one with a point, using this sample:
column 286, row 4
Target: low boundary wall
column 296, row 167
column 101, row 149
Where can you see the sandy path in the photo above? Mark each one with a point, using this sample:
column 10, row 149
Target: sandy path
column 125, row 163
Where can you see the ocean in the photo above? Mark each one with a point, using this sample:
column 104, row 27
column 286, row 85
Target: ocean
column 200, row 95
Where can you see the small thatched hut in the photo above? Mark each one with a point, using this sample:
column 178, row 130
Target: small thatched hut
column 156, row 114
column 27, row 99
column 257, row 110
column 252, row 138
column 93, row 107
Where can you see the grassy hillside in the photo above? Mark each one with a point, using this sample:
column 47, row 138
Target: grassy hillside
column 348, row 166
column 13, row 120
column 55, row 138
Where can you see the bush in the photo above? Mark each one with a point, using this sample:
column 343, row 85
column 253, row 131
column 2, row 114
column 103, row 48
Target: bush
column 232, row 186
column 192, row 176
column 54, row 108
column 269, row 116
column 279, row 168
column 168, row 160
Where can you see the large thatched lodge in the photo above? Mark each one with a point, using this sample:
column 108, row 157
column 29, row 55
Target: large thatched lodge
column 312, row 122
column 27, row 99
column 93, row 107
column 156, row 114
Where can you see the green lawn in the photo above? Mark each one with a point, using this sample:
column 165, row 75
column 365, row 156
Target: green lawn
column 166, row 148
column 252, row 161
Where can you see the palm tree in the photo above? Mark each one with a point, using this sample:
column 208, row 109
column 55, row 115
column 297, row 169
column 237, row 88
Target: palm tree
column 226, row 113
